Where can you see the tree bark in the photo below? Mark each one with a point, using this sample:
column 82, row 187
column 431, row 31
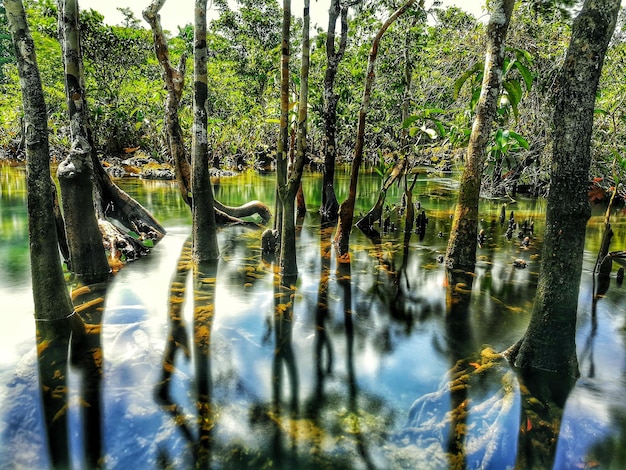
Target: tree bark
column 204, row 229
column 366, row 223
column 287, row 205
column 461, row 251
column 87, row 257
column 291, row 176
column 549, row 342
column 330, row 206
column 53, row 307
column 346, row 209
column 174, row 79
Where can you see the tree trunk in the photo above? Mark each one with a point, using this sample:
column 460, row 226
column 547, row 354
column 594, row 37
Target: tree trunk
column 53, row 307
column 109, row 199
column 287, row 222
column 174, row 79
column 289, row 184
column 366, row 223
column 346, row 209
column 549, row 342
column 87, row 257
column 330, row 206
column 461, row 251
column 205, row 246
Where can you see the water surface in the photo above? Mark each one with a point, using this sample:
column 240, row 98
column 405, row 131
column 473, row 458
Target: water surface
column 353, row 367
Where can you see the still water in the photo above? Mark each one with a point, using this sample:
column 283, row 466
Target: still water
column 355, row 366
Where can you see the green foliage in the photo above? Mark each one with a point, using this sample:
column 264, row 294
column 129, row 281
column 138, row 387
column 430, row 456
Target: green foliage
column 126, row 95
column 6, row 48
column 425, row 119
column 120, row 82
column 516, row 75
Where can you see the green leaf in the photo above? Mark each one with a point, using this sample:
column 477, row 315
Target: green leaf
column 526, row 74
column 458, row 84
column 521, row 141
column 408, row 121
column 148, row 243
column 514, row 94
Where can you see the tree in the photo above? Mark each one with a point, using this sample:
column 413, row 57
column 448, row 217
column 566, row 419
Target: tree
column 53, row 307
column 174, row 79
column 288, row 176
column 253, row 33
column 330, row 207
column 205, row 246
column 292, row 185
column 75, row 172
column 142, row 229
column 119, row 77
column 461, row 251
column 346, row 209
column 549, row 342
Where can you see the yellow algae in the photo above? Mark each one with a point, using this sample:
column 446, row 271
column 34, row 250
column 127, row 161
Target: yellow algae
column 59, row 392
column 60, row 413
column 42, row 346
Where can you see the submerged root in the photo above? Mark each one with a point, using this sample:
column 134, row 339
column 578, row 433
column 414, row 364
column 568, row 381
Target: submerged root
column 120, row 245
column 465, row 418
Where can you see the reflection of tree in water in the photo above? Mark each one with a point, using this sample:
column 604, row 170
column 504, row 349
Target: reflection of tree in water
column 204, row 281
column 478, row 427
column 86, row 355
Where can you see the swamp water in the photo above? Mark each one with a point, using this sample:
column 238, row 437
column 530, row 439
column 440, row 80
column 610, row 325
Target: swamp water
column 357, row 366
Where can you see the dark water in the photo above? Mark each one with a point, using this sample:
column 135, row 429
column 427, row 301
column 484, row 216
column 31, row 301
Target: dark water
column 356, row 366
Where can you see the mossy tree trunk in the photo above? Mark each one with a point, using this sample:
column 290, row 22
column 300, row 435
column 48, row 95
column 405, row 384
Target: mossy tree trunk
column 346, row 209
column 204, row 229
column 549, row 342
column 53, row 306
column 461, row 251
column 334, row 54
column 87, row 256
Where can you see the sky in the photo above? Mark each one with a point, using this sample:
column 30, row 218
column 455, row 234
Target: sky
column 180, row 12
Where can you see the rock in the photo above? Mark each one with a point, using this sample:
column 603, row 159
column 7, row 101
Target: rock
column 157, row 174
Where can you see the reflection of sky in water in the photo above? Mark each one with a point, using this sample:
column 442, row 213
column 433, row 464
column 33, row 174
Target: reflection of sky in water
column 392, row 362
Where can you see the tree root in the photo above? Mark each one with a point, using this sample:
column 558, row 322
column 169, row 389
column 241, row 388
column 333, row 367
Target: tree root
column 435, row 423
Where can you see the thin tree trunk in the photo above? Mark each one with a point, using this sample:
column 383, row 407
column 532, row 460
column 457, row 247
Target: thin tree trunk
column 287, row 237
column 288, row 261
column 366, row 223
column 330, row 206
column 53, row 307
column 87, row 257
column 174, row 79
column 205, row 246
column 346, row 209
column 549, row 343
column 461, row 251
